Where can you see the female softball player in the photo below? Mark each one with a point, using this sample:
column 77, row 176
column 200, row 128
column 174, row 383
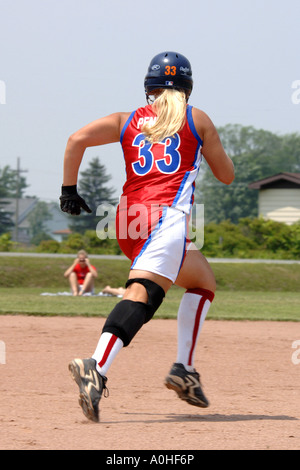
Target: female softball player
column 163, row 144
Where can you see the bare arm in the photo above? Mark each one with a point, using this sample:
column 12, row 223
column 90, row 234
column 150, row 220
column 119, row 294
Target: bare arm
column 91, row 268
column 71, row 268
column 213, row 151
column 102, row 131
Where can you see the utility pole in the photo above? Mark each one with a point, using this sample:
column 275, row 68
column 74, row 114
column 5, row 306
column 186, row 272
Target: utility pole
column 18, row 172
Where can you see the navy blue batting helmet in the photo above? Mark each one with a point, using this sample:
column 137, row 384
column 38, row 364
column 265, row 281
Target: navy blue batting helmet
column 169, row 70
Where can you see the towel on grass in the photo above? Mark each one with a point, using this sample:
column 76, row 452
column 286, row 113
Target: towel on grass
column 66, row 293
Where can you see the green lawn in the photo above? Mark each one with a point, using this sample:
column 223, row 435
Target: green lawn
column 240, row 305
column 244, row 291
column 48, row 272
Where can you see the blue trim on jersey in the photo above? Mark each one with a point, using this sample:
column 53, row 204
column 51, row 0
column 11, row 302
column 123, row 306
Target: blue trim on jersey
column 200, row 143
column 198, row 151
column 193, row 190
column 150, row 236
column 184, row 248
column 126, row 125
column 180, row 188
column 192, row 125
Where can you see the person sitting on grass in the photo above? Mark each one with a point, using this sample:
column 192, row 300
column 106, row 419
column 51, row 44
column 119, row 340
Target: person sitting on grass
column 81, row 274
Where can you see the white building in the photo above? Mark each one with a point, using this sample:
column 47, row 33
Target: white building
column 279, row 197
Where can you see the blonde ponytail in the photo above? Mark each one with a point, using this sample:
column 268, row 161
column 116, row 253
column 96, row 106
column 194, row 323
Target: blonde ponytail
column 170, row 108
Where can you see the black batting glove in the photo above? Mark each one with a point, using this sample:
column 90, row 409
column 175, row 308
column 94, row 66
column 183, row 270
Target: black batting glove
column 71, row 202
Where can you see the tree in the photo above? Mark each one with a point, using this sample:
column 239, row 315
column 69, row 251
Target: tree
column 10, row 187
column 37, row 219
column 92, row 187
column 256, row 154
column 6, row 223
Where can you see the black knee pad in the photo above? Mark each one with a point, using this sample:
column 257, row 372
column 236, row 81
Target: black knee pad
column 155, row 293
column 128, row 316
column 126, row 319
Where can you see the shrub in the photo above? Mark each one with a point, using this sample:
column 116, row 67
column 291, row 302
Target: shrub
column 72, row 244
column 252, row 238
column 101, row 246
column 48, row 246
column 5, row 242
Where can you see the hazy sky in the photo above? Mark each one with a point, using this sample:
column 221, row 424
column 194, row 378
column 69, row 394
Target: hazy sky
column 64, row 63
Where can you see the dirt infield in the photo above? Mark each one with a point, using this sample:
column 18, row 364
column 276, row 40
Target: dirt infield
column 246, row 367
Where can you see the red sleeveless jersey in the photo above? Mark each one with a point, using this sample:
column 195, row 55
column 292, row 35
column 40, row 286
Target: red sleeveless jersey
column 162, row 173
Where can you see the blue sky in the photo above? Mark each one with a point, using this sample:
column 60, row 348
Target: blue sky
column 65, row 63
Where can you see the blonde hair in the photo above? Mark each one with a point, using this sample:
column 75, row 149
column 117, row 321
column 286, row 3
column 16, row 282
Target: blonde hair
column 82, row 253
column 170, row 108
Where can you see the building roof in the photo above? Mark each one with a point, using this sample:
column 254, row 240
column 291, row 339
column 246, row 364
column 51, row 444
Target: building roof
column 66, row 231
column 291, row 179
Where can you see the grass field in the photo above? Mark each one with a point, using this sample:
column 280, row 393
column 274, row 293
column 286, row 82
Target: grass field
column 242, row 305
column 245, row 291
column 46, row 273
